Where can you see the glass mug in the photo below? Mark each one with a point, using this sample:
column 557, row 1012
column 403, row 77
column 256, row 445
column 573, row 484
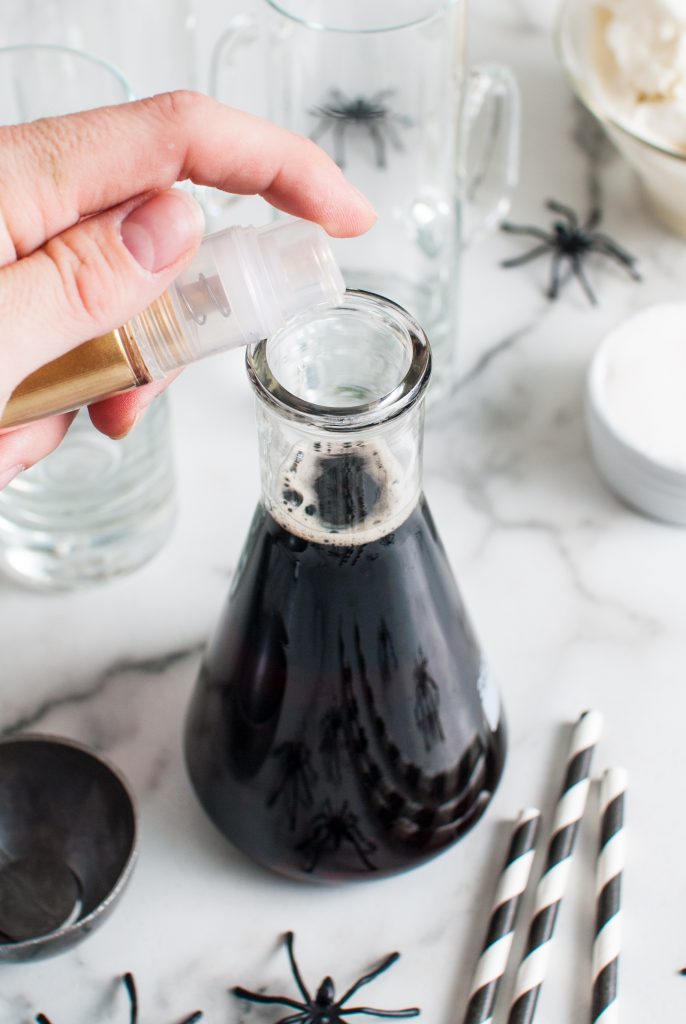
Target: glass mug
column 384, row 88
column 94, row 508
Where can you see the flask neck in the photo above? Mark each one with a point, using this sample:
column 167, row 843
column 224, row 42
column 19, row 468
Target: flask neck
column 340, row 420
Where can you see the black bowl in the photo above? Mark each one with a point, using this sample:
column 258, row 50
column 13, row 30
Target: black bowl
column 67, row 844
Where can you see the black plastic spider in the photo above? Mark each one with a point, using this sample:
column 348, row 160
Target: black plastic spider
column 130, row 986
column 325, row 1008
column 571, row 241
column 369, row 113
column 330, row 829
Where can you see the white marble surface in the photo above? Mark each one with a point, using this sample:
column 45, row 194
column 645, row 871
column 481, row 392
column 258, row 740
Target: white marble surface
column 579, row 602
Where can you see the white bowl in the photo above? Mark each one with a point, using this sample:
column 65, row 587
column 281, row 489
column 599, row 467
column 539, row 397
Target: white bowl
column 660, row 168
column 640, row 457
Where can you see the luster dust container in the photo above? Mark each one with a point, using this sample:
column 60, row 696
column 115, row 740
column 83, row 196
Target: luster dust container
column 242, row 286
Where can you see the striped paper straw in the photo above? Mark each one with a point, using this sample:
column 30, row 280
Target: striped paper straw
column 609, row 867
column 568, row 813
column 513, row 880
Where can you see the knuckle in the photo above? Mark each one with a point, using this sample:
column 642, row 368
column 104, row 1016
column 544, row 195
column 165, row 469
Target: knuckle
column 176, row 115
column 47, row 144
column 34, row 166
column 28, row 152
column 86, row 277
column 178, row 105
column 45, row 140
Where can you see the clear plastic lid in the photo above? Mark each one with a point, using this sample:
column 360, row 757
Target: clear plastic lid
column 301, row 266
column 243, row 284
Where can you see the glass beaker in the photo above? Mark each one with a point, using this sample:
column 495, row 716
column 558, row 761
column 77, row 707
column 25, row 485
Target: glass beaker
column 385, row 88
column 95, row 507
column 344, row 724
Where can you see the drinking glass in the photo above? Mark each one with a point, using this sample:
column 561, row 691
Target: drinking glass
column 386, row 89
column 152, row 42
column 95, row 507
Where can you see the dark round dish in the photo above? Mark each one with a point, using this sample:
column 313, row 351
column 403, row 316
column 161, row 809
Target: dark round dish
column 68, row 839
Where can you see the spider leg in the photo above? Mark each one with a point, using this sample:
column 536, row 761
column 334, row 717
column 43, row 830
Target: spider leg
column 556, row 279
column 564, row 210
column 525, row 229
column 393, row 135
column 578, row 270
column 292, row 801
column 296, row 1018
column 313, row 848
column 130, row 986
column 593, row 220
column 413, row 1011
column 605, row 245
column 366, row 978
column 517, row 261
column 362, row 851
column 379, row 145
column 321, row 129
column 290, row 936
column 339, row 143
column 256, row 997
column 276, row 793
column 599, row 236
column 193, row 1019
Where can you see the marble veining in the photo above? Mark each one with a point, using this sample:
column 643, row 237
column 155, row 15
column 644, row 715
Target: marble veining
column 35, row 717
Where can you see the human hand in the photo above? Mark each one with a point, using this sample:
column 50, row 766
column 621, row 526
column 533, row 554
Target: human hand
column 91, row 231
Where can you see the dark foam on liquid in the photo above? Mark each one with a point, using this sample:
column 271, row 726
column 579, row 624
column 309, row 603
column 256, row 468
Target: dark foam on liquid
column 351, row 492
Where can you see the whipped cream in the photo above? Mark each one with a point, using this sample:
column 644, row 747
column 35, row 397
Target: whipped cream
column 644, row 67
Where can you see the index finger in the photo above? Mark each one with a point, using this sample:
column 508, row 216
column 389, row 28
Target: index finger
column 57, row 170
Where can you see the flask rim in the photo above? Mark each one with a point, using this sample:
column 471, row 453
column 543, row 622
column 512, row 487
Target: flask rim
column 407, row 391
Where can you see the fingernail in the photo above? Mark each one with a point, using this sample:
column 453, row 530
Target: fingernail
column 127, row 429
column 162, row 229
column 8, row 475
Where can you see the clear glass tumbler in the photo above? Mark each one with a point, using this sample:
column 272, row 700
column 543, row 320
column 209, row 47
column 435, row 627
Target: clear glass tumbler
column 95, row 507
column 152, row 42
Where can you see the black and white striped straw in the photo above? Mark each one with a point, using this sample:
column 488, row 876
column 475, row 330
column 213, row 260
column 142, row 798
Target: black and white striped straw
column 609, row 868
column 495, row 953
column 551, row 887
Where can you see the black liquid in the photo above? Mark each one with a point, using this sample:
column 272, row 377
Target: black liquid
column 337, row 730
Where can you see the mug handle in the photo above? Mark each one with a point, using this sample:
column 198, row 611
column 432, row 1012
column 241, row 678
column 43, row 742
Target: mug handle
column 240, row 33
column 488, row 149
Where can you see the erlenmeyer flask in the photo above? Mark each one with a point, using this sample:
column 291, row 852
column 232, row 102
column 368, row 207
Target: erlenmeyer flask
column 344, row 724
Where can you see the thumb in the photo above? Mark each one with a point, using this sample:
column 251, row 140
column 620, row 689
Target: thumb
column 92, row 278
